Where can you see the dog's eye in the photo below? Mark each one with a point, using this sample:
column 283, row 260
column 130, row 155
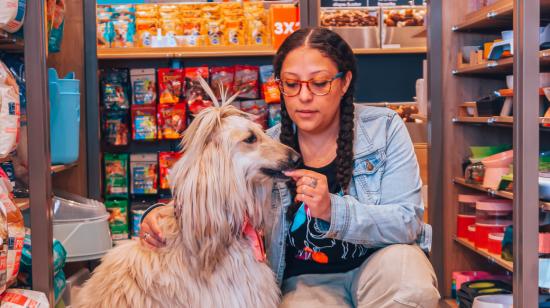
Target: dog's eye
column 251, row 139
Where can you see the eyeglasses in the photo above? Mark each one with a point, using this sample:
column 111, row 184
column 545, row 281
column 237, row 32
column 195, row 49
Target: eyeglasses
column 317, row 86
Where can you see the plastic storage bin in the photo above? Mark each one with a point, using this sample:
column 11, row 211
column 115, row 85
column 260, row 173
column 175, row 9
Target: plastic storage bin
column 82, row 227
column 495, row 167
column 64, row 118
column 492, row 216
column 466, row 213
column 494, row 243
column 471, row 235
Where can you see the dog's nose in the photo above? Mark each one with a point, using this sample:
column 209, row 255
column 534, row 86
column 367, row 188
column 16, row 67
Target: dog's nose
column 293, row 157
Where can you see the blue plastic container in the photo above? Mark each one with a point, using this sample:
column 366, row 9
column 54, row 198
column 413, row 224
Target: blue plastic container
column 64, row 118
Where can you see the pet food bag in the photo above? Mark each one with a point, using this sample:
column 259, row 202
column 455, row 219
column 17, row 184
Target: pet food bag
column 166, row 161
column 118, row 219
column 257, row 110
column 138, row 209
column 170, row 85
column 222, row 77
column 197, row 99
column 56, row 23
column 116, row 175
column 144, row 120
column 20, row 298
column 246, row 81
column 12, row 14
column 144, row 173
column 172, row 120
column 115, row 87
column 116, row 127
column 144, row 86
column 270, row 89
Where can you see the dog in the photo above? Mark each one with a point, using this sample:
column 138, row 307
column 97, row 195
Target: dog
column 221, row 184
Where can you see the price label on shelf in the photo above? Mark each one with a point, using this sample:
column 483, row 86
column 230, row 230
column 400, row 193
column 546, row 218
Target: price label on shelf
column 285, row 19
column 394, row 2
column 344, row 3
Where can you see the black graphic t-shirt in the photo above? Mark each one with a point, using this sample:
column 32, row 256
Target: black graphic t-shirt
column 307, row 252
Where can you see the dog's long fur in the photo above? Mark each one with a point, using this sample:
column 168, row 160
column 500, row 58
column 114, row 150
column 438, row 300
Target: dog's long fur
column 206, row 261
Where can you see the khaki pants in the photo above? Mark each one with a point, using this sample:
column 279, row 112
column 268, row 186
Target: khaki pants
column 395, row 276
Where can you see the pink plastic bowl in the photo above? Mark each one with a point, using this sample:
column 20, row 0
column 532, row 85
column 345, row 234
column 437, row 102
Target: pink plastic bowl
column 500, row 160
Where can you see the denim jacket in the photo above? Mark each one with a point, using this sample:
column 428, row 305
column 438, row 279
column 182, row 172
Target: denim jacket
column 383, row 205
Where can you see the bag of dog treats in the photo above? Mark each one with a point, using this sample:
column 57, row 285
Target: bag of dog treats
column 246, row 81
column 270, row 89
column 115, row 87
column 214, row 32
column 9, row 120
column 118, row 218
column 234, row 32
column 197, row 99
column 4, row 235
column 116, row 127
column 144, row 173
column 172, row 120
column 274, row 116
column 170, row 85
column 138, row 209
column 144, row 119
column 224, row 76
column 166, row 161
column 20, row 298
column 16, row 235
column 258, row 110
column 144, row 86
column 116, row 175
column 12, row 14
column 56, row 22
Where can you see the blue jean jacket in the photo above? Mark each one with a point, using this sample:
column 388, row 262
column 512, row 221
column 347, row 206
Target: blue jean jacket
column 384, row 204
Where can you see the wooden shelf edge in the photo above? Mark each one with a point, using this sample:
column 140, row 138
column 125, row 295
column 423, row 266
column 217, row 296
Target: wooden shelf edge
column 22, row 203
column 493, row 120
column 545, row 206
column 182, row 52
column 61, row 168
column 499, row 8
column 483, row 252
column 389, row 51
column 493, row 67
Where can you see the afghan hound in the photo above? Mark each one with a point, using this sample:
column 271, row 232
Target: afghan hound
column 221, row 185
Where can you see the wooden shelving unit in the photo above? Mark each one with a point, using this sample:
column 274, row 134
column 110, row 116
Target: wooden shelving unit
column 498, row 193
column 509, row 266
column 209, row 52
column 497, row 120
column 61, row 168
column 10, row 43
column 492, row 18
column 499, row 67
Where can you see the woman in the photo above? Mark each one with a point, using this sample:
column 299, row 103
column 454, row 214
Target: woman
column 347, row 230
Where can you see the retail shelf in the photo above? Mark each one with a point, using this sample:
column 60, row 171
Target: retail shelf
column 10, row 43
column 492, row 257
column 497, row 120
column 60, row 168
column 494, row 17
column 182, row 52
column 499, row 67
column 22, row 203
column 386, row 51
column 498, row 193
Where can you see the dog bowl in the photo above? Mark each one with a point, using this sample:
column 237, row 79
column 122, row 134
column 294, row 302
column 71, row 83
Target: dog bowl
column 82, row 228
column 495, row 167
column 494, row 301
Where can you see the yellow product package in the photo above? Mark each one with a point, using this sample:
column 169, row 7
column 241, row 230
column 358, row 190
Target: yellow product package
column 190, row 14
column 253, row 6
column 168, row 8
column 171, row 26
column 214, row 33
column 146, row 28
column 234, row 34
column 154, row 8
column 211, row 12
column 192, row 30
column 231, row 5
column 257, row 33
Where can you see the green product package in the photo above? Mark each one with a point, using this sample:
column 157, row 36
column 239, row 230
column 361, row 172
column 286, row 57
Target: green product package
column 118, row 219
column 116, row 176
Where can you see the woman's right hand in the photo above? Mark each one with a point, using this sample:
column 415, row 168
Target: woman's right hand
column 150, row 233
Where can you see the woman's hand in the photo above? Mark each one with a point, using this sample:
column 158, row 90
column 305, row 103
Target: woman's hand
column 312, row 189
column 150, row 234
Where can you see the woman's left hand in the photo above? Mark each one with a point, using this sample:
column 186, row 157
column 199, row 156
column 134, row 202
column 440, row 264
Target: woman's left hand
column 312, row 189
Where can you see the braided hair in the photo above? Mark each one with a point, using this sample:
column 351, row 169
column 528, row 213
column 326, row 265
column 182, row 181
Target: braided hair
column 334, row 47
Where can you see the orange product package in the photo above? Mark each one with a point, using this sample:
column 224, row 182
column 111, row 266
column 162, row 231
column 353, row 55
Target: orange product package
column 214, row 33
column 170, row 82
column 234, row 32
column 146, row 28
column 166, row 161
column 172, row 120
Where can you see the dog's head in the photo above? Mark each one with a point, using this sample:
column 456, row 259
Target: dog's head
column 225, row 174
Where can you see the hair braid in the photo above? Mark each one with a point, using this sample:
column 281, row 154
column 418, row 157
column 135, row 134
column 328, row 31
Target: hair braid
column 344, row 151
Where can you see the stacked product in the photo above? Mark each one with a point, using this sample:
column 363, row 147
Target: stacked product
column 184, row 25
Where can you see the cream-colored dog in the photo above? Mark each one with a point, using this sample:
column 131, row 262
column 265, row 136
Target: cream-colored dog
column 223, row 179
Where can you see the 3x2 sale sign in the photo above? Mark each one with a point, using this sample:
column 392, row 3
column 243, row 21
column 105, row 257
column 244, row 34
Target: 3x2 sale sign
column 285, row 19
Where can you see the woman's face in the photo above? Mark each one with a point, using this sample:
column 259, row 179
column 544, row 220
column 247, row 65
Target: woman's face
column 313, row 113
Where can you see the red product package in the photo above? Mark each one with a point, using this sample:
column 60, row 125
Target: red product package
column 172, row 120
column 246, row 81
column 144, row 119
column 223, row 75
column 258, row 111
column 170, row 85
column 166, row 161
column 197, row 99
